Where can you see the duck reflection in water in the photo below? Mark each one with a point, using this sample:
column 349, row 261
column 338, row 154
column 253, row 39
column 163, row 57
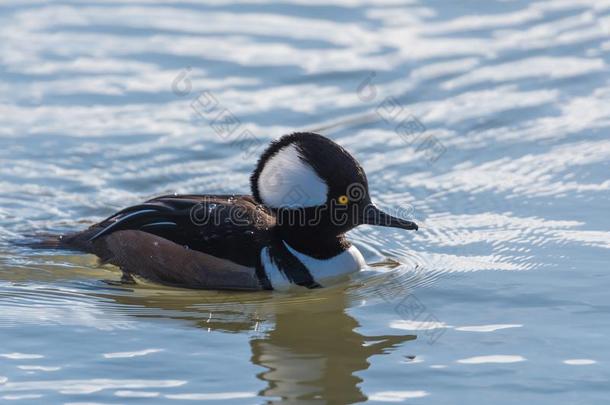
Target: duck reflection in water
column 314, row 352
column 309, row 346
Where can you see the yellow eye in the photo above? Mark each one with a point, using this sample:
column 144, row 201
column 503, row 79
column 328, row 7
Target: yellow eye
column 343, row 200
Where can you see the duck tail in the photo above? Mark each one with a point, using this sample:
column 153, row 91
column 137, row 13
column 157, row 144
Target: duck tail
column 44, row 241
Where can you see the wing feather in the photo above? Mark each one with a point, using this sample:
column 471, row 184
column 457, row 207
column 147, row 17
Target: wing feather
column 123, row 222
column 163, row 261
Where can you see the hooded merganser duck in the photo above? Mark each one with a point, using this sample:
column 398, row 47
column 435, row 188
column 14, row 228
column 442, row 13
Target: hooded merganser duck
column 307, row 192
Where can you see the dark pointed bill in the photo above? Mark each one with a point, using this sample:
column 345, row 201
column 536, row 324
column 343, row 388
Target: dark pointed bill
column 374, row 216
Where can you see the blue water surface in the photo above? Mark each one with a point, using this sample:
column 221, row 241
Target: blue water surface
column 489, row 121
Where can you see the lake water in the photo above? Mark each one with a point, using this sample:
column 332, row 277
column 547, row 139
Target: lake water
column 489, row 121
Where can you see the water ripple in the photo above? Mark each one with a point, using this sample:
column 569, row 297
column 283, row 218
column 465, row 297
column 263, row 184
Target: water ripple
column 514, row 233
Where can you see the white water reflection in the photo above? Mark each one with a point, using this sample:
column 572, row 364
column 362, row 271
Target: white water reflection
column 38, row 368
column 21, row 356
column 579, row 362
column 127, row 355
column 87, row 386
column 21, row 397
column 486, row 328
column 397, row 396
column 493, row 359
column 220, row 396
column 136, row 394
column 418, row 325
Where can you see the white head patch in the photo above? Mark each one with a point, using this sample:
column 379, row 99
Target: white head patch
column 287, row 181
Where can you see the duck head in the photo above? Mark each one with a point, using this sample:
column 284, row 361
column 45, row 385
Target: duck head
column 312, row 183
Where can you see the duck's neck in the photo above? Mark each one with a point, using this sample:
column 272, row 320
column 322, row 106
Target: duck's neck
column 314, row 243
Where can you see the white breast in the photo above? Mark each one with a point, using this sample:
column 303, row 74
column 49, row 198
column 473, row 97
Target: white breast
column 324, row 272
